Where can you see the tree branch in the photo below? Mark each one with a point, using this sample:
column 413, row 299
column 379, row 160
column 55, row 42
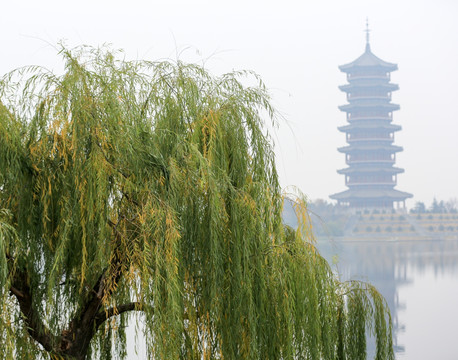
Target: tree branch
column 35, row 327
column 102, row 316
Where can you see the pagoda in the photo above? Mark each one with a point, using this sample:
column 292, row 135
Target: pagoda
column 370, row 153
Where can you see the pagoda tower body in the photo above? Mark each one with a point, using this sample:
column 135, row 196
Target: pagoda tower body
column 370, row 153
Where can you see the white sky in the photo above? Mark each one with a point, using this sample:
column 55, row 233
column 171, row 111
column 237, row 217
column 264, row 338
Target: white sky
column 296, row 47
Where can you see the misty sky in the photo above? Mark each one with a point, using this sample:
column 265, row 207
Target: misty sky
column 296, row 47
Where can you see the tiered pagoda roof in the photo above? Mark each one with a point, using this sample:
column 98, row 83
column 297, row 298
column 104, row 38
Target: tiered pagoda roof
column 370, row 169
column 368, row 60
column 370, row 147
column 382, row 84
column 371, row 195
column 370, row 125
column 369, row 104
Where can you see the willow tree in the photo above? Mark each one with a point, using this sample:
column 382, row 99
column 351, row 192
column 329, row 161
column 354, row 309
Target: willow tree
column 151, row 187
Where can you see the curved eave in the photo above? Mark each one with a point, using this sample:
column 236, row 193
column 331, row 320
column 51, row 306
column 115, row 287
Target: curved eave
column 353, row 86
column 364, row 126
column 350, row 107
column 370, row 147
column 358, row 170
column 368, row 60
column 355, row 194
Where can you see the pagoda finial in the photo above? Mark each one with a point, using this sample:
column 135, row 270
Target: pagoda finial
column 367, row 31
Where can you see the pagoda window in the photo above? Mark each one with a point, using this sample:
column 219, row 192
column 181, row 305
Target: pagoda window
column 370, row 179
column 368, row 92
column 380, row 134
column 369, row 112
column 367, row 73
column 369, row 156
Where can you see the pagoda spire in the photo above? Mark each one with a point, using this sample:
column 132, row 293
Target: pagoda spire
column 367, row 31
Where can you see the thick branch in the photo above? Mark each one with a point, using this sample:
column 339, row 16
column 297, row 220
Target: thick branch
column 35, row 327
column 105, row 315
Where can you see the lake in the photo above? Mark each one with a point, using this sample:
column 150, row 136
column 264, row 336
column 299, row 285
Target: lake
column 419, row 280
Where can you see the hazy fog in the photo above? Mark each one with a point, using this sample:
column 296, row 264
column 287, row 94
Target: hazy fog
column 296, row 46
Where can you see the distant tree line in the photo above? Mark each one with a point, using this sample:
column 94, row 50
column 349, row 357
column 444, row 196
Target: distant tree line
column 323, row 208
column 437, row 207
column 327, row 218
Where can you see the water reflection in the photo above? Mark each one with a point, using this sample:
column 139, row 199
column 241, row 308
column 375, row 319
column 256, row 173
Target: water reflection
column 393, row 266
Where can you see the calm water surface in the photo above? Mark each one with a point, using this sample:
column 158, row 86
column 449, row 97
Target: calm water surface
column 419, row 280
